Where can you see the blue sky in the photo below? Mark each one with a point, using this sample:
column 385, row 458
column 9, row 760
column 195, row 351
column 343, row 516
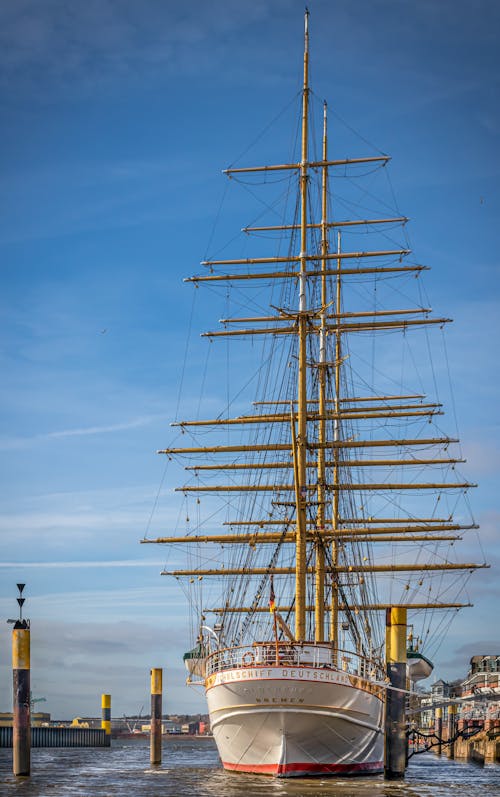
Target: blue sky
column 117, row 119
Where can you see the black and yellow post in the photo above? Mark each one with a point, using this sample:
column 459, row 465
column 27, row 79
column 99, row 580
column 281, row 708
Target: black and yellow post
column 395, row 721
column 438, row 729
column 452, row 725
column 156, row 709
column 106, row 714
column 21, row 730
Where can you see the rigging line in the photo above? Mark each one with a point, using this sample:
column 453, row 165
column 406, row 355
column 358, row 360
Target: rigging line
column 242, row 300
column 223, row 247
column 394, row 287
column 216, row 221
column 440, row 632
column 244, row 587
column 269, row 179
column 477, row 535
column 353, row 207
column 374, row 337
column 391, row 188
column 450, row 388
column 458, row 498
column 186, row 349
column 263, row 582
column 183, row 503
column 366, row 192
column 265, row 129
column 383, row 233
column 352, row 129
column 367, row 364
column 271, row 208
column 416, row 370
column 157, row 498
column 347, row 610
column 429, row 353
column 355, row 171
column 162, row 480
column 227, row 308
column 231, row 401
column 291, row 179
column 203, row 381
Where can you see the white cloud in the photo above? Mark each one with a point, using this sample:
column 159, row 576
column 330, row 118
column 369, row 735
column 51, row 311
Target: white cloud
column 81, row 564
column 90, row 44
column 74, row 661
column 23, row 442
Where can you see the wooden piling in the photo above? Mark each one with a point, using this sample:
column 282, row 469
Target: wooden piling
column 395, row 724
column 21, row 734
column 156, row 710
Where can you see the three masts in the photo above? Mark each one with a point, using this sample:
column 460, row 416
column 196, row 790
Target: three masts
column 319, row 496
column 318, row 452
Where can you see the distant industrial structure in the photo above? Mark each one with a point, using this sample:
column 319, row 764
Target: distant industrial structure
column 124, row 727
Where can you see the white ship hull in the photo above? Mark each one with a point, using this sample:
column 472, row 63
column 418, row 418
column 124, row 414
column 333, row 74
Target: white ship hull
column 296, row 721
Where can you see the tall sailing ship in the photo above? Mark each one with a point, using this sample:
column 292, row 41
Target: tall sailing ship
column 340, row 496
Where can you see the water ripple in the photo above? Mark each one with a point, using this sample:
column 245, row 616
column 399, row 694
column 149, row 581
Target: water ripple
column 191, row 768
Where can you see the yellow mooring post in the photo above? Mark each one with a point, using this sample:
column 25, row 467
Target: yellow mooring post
column 21, row 725
column 452, row 724
column 395, row 724
column 156, row 709
column 438, row 729
column 106, row 714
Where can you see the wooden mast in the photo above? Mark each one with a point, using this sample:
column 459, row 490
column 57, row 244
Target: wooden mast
column 334, row 612
column 319, row 594
column 300, row 549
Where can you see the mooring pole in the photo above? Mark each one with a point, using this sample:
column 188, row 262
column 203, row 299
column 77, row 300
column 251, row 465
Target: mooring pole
column 395, row 724
column 21, row 723
column 452, row 716
column 106, row 714
column 438, row 729
column 156, row 709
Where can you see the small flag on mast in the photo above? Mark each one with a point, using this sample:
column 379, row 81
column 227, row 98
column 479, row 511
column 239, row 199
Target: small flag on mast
column 272, row 599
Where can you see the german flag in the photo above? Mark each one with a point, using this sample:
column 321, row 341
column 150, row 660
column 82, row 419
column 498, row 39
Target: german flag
column 272, row 598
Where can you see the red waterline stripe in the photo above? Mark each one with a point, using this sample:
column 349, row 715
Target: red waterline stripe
column 283, row 769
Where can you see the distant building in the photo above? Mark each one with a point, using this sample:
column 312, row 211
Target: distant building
column 440, row 689
column 481, row 686
column 483, row 677
column 426, row 720
column 484, row 664
column 172, row 726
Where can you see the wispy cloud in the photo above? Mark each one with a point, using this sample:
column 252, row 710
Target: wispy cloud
column 82, row 564
column 114, row 193
column 24, row 442
column 482, row 646
column 91, row 44
column 122, row 600
column 121, row 653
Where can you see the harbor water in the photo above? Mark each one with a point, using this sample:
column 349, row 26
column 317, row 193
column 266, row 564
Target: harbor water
column 191, row 767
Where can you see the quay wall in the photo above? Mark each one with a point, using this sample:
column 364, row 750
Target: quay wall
column 60, row 737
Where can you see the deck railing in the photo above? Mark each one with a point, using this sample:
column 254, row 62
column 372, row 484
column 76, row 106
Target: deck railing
column 262, row 654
